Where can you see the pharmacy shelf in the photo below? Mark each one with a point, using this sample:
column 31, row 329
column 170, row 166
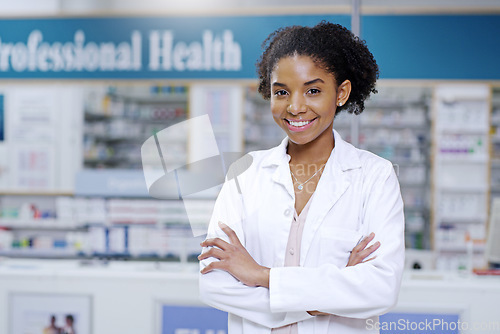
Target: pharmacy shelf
column 40, row 224
column 463, row 220
column 395, row 145
column 463, row 131
column 32, row 253
column 455, row 160
column 394, row 126
column 119, row 119
column 149, row 98
column 412, row 184
column 452, row 248
column 409, row 163
column 466, row 189
column 35, row 193
column 42, row 254
column 462, row 153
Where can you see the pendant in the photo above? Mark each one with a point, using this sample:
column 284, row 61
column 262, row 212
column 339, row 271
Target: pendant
column 300, row 187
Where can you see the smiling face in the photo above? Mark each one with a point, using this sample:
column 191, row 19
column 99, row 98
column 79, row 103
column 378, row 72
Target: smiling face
column 304, row 99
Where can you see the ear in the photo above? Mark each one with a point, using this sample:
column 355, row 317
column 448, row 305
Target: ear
column 343, row 92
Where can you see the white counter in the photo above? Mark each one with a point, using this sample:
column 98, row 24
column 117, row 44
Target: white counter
column 125, row 296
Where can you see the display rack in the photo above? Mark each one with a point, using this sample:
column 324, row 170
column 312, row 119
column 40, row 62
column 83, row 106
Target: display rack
column 98, row 227
column 495, row 144
column 461, row 168
column 111, row 215
column 395, row 125
column 118, row 119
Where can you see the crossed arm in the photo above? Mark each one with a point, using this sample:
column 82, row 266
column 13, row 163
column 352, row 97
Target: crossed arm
column 235, row 259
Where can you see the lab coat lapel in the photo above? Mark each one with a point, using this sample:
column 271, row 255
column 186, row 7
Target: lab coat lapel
column 279, row 160
column 333, row 183
column 331, row 187
column 283, row 177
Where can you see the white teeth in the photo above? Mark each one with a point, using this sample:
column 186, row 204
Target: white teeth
column 299, row 123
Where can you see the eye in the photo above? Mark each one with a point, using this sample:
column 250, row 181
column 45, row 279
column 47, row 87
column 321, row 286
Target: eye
column 313, row 91
column 280, row 92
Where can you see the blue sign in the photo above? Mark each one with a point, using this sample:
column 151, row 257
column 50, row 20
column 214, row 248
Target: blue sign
column 147, row 47
column 434, row 46
column 418, row 323
column 227, row 47
column 192, row 320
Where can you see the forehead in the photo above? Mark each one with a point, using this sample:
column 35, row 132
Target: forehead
column 298, row 67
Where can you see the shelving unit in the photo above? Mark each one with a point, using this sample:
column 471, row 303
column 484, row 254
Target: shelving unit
column 460, row 177
column 118, row 119
column 110, row 228
column 395, row 125
column 495, row 144
column 110, row 215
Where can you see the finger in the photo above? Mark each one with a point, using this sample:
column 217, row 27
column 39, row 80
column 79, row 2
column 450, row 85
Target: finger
column 217, row 242
column 367, row 251
column 212, row 252
column 212, row 266
column 372, row 258
column 233, row 238
column 364, row 242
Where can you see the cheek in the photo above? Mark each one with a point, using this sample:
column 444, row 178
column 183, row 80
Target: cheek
column 277, row 108
column 327, row 110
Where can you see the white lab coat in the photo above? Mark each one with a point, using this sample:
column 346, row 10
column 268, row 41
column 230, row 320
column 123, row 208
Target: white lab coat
column 358, row 193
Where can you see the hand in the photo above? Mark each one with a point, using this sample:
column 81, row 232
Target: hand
column 359, row 253
column 234, row 259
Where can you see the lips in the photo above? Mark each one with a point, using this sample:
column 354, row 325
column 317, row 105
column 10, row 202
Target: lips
column 298, row 126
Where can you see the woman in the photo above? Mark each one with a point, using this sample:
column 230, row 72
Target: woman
column 287, row 247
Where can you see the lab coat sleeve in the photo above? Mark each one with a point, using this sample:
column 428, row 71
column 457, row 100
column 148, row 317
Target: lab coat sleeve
column 220, row 289
column 361, row 291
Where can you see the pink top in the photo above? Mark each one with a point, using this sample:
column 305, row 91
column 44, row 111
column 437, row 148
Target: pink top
column 292, row 255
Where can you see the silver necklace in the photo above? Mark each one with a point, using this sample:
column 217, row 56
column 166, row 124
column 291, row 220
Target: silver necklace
column 301, row 185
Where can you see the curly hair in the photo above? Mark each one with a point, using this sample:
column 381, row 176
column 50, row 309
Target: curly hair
column 333, row 48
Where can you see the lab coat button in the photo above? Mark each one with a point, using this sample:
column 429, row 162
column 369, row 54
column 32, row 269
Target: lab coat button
column 287, row 212
column 291, row 251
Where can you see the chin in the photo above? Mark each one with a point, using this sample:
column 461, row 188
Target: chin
column 300, row 141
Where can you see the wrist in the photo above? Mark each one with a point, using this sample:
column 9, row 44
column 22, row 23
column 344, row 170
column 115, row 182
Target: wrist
column 264, row 277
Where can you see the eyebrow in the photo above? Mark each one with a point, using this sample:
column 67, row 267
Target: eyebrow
column 313, row 81
column 279, row 84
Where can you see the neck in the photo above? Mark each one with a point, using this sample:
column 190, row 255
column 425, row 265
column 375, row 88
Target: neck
column 316, row 151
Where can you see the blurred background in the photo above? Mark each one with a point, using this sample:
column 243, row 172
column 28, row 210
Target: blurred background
column 84, row 84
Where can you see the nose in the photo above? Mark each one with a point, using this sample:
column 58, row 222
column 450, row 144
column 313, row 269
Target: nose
column 297, row 105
